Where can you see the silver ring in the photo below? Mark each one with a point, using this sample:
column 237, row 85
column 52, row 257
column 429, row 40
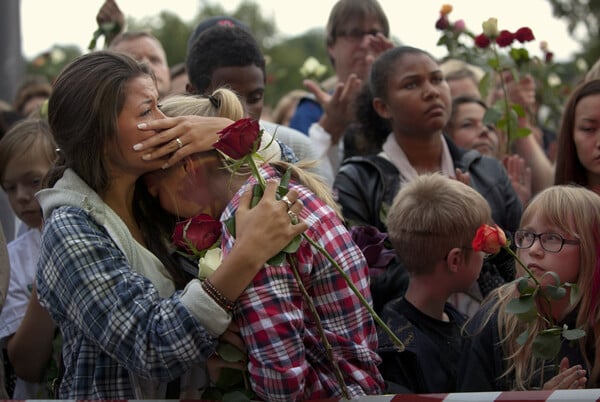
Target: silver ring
column 179, row 143
column 293, row 217
column 287, row 201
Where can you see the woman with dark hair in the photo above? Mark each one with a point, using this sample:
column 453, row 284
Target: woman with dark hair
column 578, row 158
column 409, row 91
column 127, row 333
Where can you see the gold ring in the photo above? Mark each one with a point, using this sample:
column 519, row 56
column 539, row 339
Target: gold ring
column 179, row 143
column 293, row 217
column 287, row 201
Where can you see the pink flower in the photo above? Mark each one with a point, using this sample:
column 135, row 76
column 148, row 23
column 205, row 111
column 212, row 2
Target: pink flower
column 505, row 38
column 482, row 41
column 460, row 25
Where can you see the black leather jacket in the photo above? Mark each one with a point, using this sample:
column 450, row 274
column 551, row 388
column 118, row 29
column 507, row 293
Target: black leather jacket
column 365, row 187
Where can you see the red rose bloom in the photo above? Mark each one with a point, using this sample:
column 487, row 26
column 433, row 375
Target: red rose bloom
column 239, row 139
column 524, row 35
column 548, row 57
column 505, row 38
column 482, row 41
column 197, row 234
column 489, row 239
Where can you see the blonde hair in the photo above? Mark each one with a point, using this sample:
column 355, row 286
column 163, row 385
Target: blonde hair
column 225, row 103
column 222, row 103
column 431, row 215
column 576, row 211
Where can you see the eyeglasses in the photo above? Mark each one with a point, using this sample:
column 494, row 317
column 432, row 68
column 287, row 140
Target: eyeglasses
column 551, row 242
column 356, row 34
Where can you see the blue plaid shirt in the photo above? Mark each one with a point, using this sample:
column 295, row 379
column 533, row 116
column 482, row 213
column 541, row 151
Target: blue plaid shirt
column 113, row 322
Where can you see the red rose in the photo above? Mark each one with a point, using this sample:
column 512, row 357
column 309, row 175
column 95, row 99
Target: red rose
column 489, row 239
column 505, row 38
column 482, row 41
column 548, row 57
column 524, row 35
column 197, row 234
column 442, row 23
column 239, row 139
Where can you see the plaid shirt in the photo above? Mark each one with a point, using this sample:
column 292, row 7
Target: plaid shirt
column 113, row 322
column 287, row 359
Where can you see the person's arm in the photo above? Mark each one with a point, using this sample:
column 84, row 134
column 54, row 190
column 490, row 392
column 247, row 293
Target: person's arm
column 338, row 108
column 30, row 348
column 255, row 243
column 87, row 283
column 196, row 133
column 542, row 170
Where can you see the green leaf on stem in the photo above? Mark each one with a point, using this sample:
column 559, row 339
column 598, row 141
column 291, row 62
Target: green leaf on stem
column 230, row 378
column 573, row 334
column 554, row 276
column 492, row 116
column 574, row 295
column 257, row 193
column 518, row 109
column 554, row 292
column 229, row 353
column 528, row 316
column 282, row 188
column 484, row 85
column 547, row 344
column 524, row 287
column 522, row 338
column 230, row 225
column 521, row 305
column 522, row 132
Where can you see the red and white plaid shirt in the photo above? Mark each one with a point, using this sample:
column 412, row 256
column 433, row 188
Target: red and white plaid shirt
column 287, row 359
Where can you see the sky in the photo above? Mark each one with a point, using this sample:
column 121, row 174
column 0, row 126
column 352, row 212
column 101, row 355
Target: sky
column 72, row 22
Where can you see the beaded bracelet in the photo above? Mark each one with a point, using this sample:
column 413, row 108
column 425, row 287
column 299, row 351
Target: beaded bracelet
column 217, row 296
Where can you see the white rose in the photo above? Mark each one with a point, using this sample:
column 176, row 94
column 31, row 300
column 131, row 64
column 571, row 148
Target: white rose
column 209, row 263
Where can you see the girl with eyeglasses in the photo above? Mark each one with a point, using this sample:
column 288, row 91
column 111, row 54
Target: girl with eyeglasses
column 558, row 233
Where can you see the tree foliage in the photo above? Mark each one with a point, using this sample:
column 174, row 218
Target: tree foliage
column 284, row 55
column 583, row 21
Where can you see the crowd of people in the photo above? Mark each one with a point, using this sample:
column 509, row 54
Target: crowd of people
column 375, row 189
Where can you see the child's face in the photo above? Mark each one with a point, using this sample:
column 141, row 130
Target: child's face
column 248, row 82
column 22, row 179
column 196, row 185
column 586, row 135
column 418, row 97
column 470, row 270
column 565, row 263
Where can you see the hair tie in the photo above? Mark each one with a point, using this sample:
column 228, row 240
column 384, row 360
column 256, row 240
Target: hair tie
column 215, row 101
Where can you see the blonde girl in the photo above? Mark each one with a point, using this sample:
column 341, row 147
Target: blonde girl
column 559, row 233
